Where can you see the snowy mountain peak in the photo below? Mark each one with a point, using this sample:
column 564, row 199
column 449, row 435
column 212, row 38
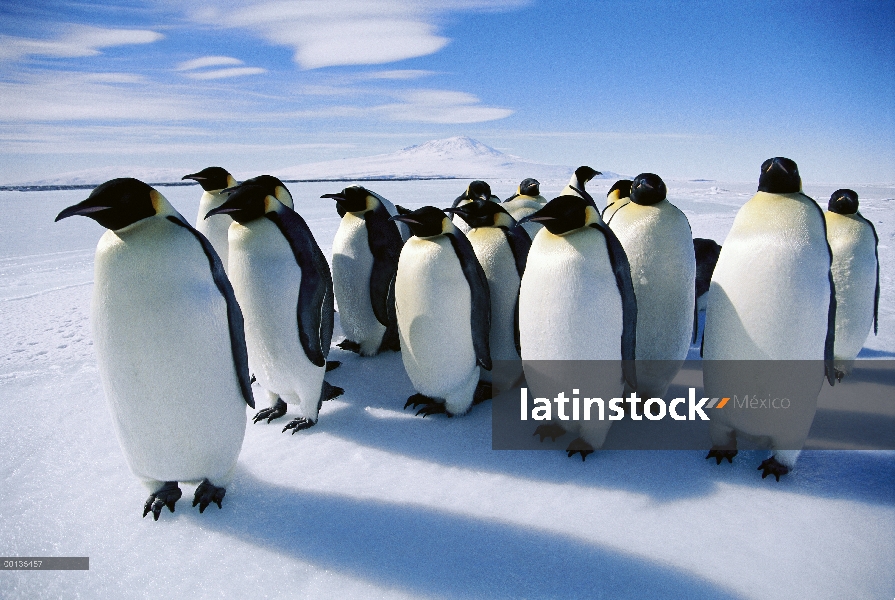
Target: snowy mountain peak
column 459, row 146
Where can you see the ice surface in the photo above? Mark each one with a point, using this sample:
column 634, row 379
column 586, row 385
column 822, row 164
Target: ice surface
column 372, row 503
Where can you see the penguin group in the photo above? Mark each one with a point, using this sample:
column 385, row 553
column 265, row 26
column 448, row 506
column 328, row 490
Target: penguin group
column 186, row 318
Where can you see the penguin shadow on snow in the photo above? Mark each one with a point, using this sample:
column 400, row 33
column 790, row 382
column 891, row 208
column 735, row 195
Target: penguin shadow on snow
column 433, row 553
column 371, row 414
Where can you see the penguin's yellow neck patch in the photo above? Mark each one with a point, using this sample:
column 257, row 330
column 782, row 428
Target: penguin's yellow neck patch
column 161, row 205
column 591, row 216
column 272, row 204
column 283, row 195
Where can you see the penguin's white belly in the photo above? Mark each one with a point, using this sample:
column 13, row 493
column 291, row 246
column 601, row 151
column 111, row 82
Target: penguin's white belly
column 162, row 339
column 569, row 304
column 770, row 292
column 352, row 267
column 659, row 247
column 215, row 227
column 496, row 258
column 266, row 281
column 519, row 208
column 432, row 301
column 854, row 278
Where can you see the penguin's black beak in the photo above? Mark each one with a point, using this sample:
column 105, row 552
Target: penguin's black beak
column 335, row 197
column 536, row 219
column 405, row 219
column 194, row 177
column 244, row 203
column 85, row 209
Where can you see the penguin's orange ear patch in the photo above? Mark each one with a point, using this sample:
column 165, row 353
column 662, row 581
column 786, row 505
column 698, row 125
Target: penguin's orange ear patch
column 156, row 200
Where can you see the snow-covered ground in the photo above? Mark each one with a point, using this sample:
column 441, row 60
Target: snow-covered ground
column 376, row 503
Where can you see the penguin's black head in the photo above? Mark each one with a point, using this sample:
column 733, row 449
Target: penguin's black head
column 779, row 176
column 648, row 189
column 844, row 202
column 623, row 186
column 530, row 187
column 212, row 178
column 483, row 213
column 250, row 199
column 478, row 190
column 585, row 174
column 424, row 222
column 351, row 199
column 116, row 204
column 563, row 214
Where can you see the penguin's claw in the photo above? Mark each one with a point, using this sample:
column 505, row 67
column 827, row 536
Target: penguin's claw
column 719, row 453
column 332, row 365
column 167, row 496
column 331, row 391
column 772, row 466
column 578, row 445
column 551, row 431
column 252, row 379
column 274, row 412
column 349, row 346
column 207, row 493
column 435, row 408
column 483, row 391
column 417, row 400
column 839, row 375
column 298, row 424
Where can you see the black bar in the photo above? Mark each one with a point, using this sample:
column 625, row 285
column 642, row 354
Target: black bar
column 44, row 563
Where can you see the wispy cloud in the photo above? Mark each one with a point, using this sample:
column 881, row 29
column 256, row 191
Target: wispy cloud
column 208, row 61
column 349, row 32
column 75, row 41
column 224, row 73
column 441, row 106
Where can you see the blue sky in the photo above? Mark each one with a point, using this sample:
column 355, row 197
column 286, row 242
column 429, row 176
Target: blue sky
column 689, row 89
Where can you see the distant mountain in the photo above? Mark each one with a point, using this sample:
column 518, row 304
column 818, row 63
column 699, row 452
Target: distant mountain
column 451, row 158
column 456, row 157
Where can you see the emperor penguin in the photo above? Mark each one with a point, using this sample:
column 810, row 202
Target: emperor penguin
column 170, row 344
column 526, row 201
column 658, row 242
column 444, row 314
column 283, row 284
column 617, row 196
column 213, row 180
column 772, row 302
column 854, row 242
column 365, row 260
column 501, row 247
column 476, row 190
column 576, row 184
column 577, row 302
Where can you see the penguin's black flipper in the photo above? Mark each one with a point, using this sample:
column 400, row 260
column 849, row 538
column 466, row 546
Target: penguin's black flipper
column 167, row 496
column 480, row 297
column 829, row 343
column 207, row 493
column 385, row 244
column 876, row 253
column 579, row 446
column 772, row 466
column 316, row 305
column 234, row 313
column 272, row 412
column 622, row 269
column 520, row 244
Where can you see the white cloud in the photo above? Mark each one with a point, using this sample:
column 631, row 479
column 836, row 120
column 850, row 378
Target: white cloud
column 223, row 73
column 76, row 41
column 441, row 106
column 397, row 74
column 324, row 33
column 208, row 61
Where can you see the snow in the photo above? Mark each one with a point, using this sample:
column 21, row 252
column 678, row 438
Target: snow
column 376, row 503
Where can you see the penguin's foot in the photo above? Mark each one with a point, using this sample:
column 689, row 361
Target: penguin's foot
column 298, row 424
column 331, row 391
column 332, row 365
column 167, row 496
column 207, row 493
column 578, row 445
column 551, row 431
column 772, row 467
column 839, row 375
column 252, row 379
column 719, row 453
column 274, row 412
column 483, row 391
column 350, row 346
column 430, row 406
